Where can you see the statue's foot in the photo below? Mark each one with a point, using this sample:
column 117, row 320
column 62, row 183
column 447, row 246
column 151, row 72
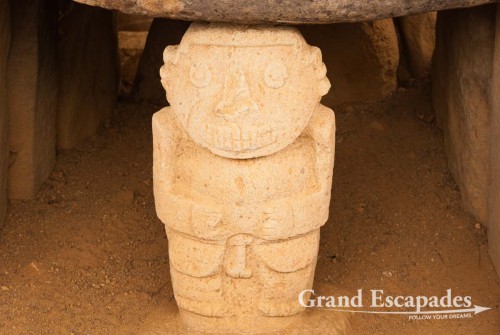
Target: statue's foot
column 205, row 308
column 277, row 308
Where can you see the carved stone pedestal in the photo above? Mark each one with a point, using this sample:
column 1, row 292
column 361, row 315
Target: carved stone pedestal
column 243, row 163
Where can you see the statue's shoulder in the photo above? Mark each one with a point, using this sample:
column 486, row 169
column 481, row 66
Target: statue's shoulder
column 323, row 116
column 165, row 116
column 165, row 121
column 322, row 122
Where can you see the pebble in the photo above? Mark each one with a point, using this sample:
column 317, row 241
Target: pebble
column 4, row 288
column 360, row 208
column 477, row 226
column 377, row 126
column 125, row 197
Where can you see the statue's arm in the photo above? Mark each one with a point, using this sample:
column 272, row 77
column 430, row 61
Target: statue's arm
column 313, row 210
column 300, row 214
column 177, row 211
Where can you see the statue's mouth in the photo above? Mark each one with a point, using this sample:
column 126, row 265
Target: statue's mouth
column 241, row 138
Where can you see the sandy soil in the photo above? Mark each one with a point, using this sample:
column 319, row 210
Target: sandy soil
column 89, row 256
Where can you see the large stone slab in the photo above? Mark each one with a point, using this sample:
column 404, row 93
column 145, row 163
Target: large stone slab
column 88, row 74
column 419, row 37
column 462, row 74
column 494, row 191
column 32, row 95
column 4, row 151
column 284, row 11
column 362, row 59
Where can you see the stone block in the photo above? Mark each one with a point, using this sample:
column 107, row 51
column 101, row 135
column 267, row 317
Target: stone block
column 494, row 190
column 462, row 76
column 419, row 38
column 88, row 74
column 32, row 95
column 4, row 148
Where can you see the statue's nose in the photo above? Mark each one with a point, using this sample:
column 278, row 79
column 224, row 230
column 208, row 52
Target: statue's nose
column 236, row 98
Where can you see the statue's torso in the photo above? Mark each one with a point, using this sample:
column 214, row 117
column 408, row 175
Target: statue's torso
column 287, row 173
column 244, row 191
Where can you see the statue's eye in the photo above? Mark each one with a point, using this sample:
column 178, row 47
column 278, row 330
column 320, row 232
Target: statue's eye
column 200, row 74
column 275, row 75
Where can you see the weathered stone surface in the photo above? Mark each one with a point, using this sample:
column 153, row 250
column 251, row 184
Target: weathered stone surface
column 286, row 11
column 88, row 75
column 147, row 85
column 462, row 74
column 243, row 163
column 494, row 190
column 362, row 58
column 32, row 95
column 4, row 151
column 419, row 37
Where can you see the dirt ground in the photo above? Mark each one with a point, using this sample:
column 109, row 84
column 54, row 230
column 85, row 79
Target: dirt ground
column 89, row 256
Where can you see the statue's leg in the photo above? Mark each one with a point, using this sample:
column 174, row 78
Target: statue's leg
column 286, row 269
column 195, row 271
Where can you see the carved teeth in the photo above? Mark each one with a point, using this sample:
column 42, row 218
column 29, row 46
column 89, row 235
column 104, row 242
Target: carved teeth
column 245, row 135
column 236, row 139
column 261, row 141
column 237, row 145
column 210, row 132
column 236, row 134
column 254, row 137
column 269, row 136
column 228, row 138
column 218, row 138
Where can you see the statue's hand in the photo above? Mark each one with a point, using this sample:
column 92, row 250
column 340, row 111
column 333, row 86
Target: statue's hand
column 206, row 221
column 277, row 223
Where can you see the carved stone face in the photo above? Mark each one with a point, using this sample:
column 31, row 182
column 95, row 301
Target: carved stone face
column 243, row 92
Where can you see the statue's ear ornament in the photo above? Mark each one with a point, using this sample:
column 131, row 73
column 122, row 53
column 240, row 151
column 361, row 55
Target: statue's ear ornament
column 314, row 59
column 170, row 55
column 324, row 86
column 312, row 55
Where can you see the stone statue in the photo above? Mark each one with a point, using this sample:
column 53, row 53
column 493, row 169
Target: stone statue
column 243, row 163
